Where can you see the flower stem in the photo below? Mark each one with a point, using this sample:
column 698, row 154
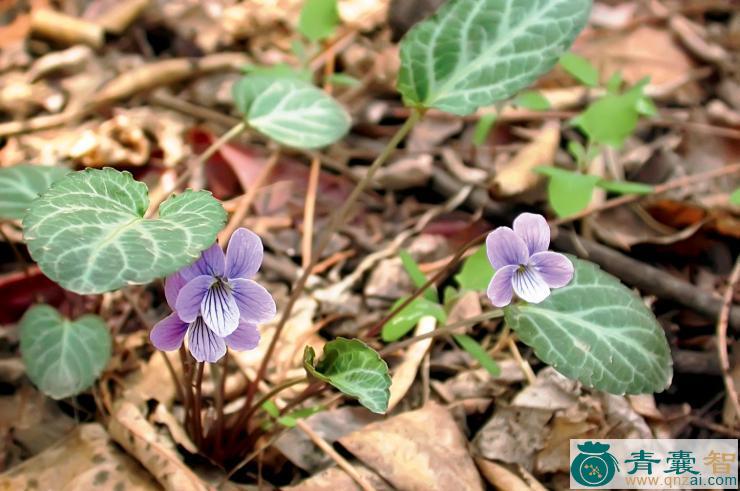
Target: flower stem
column 197, row 404
column 337, row 220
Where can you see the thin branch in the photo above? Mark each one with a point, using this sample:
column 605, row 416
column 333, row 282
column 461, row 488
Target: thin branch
column 724, row 360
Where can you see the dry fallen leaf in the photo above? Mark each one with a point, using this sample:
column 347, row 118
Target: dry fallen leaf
column 86, row 459
column 417, row 450
column 517, row 175
column 128, row 427
column 405, row 373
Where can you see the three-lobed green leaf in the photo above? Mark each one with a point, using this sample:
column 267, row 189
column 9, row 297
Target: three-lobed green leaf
column 476, row 271
column 405, row 320
column 21, row 184
column 581, row 69
column 473, row 53
column 291, row 111
column 597, row 331
column 88, row 232
column 568, row 192
column 355, row 369
column 63, row 357
column 318, row 19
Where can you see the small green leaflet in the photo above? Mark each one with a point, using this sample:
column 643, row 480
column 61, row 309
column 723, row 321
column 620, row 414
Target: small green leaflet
column 483, row 127
column 476, row 271
column 21, row 184
column 532, row 100
column 735, row 197
column 290, row 419
column 472, row 53
column 625, row 187
column 568, row 192
column 476, row 351
column 88, row 232
column 319, row 19
column 409, row 316
column 63, row 357
column 581, row 69
column 291, row 111
column 343, row 80
column 412, row 268
column 355, row 369
column 613, row 118
column 597, row 331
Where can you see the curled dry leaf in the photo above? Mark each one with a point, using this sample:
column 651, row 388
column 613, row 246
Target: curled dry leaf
column 334, row 478
column 408, row 172
column 128, row 427
column 517, row 175
column 422, row 449
column 405, row 373
column 86, row 459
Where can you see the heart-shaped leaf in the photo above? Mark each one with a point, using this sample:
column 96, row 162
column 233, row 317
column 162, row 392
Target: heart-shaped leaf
column 598, row 331
column 355, row 369
column 88, row 232
column 21, row 184
column 473, row 53
column 63, row 357
column 291, row 111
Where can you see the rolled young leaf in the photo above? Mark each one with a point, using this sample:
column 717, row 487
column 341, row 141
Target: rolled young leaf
column 88, row 232
column 473, row 53
column 63, row 357
column 355, row 369
column 597, row 331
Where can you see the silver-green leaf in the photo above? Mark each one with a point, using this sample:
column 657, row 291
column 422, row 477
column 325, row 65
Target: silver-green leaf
column 291, row 111
column 355, row 369
column 597, row 331
column 21, row 184
column 473, row 53
column 63, row 357
column 88, row 232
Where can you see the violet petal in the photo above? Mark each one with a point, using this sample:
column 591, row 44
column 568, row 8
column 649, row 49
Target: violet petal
column 555, row 268
column 500, row 289
column 191, row 296
column 220, row 310
column 245, row 337
column 204, row 344
column 211, row 262
column 244, row 254
column 529, row 285
column 504, row 247
column 254, row 301
column 167, row 334
column 534, row 231
column 172, row 286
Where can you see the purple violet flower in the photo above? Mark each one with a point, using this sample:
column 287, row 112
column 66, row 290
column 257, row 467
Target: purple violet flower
column 215, row 302
column 522, row 262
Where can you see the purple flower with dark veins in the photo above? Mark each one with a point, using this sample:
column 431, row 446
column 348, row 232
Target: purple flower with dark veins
column 215, row 301
column 522, row 262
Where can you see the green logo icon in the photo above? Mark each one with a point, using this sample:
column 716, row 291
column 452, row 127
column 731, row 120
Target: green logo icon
column 593, row 466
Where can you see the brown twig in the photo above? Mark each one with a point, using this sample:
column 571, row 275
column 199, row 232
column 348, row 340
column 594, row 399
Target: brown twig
column 248, row 198
column 309, row 211
column 724, row 359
